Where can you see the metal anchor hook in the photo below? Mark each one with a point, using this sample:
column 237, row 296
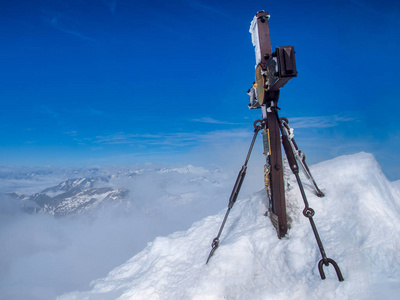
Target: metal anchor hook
column 257, row 126
column 214, row 246
column 326, row 262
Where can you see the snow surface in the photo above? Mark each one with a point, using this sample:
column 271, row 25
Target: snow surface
column 396, row 185
column 358, row 221
column 254, row 39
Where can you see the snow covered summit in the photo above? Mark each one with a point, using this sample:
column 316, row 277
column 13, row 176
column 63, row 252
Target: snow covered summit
column 358, row 221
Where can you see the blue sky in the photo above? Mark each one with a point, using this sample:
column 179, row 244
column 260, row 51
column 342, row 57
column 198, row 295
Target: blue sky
column 120, row 82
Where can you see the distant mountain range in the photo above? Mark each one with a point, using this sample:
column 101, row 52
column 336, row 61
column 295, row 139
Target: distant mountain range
column 71, row 197
column 148, row 190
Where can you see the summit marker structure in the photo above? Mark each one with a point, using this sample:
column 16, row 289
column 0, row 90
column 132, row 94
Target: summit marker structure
column 273, row 71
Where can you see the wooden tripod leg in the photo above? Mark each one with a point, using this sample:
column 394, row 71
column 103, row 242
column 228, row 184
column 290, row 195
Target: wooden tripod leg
column 277, row 189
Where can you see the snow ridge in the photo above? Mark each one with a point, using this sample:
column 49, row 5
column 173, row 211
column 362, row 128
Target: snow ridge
column 357, row 221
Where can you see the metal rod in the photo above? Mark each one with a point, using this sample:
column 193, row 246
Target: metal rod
column 308, row 212
column 236, row 188
column 300, row 157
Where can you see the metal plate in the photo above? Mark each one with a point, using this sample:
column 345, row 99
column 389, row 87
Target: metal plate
column 260, row 81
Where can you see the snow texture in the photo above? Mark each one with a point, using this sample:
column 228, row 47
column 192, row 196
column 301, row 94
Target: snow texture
column 254, row 39
column 358, row 221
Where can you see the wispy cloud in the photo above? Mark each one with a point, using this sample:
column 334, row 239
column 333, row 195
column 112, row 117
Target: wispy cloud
column 319, row 121
column 48, row 111
column 120, row 138
column 298, row 122
column 64, row 24
column 71, row 133
column 213, row 121
column 363, row 5
column 178, row 139
column 95, row 112
column 111, row 4
column 197, row 4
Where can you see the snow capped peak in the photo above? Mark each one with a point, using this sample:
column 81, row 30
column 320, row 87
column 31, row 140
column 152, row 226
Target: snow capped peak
column 187, row 169
column 357, row 221
column 71, row 197
column 75, row 183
